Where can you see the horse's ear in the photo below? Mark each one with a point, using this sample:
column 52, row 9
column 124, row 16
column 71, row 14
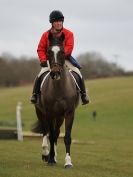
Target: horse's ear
column 50, row 36
column 62, row 37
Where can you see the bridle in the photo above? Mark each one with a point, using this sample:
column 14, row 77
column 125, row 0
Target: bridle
column 56, row 65
column 56, row 55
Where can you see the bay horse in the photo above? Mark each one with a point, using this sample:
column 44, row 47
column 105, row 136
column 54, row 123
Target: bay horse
column 58, row 101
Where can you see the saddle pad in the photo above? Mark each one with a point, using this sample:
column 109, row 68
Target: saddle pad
column 44, row 80
column 70, row 71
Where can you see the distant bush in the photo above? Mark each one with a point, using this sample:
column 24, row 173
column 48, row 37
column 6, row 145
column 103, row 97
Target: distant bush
column 14, row 71
column 94, row 65
column 18, row 71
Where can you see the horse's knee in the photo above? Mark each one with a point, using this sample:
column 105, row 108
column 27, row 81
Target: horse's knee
column 67, row 139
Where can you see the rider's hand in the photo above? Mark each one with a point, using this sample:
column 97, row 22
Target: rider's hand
column 43, row 64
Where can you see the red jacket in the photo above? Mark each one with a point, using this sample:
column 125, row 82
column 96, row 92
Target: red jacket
column 43, row 44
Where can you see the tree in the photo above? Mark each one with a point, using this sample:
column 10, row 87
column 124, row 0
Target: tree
column 95, row 65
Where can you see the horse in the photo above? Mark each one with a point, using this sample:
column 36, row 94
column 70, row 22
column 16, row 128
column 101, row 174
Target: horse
column 58, row 100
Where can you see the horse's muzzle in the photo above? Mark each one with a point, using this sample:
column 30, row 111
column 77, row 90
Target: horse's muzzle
column 56, row 72
column 55, row 75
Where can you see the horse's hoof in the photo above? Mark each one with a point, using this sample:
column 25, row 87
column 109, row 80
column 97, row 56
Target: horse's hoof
column 45, row 158
column 51, row 162
column 68, row 166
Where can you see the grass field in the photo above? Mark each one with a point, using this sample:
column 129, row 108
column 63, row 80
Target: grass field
column 106, row 148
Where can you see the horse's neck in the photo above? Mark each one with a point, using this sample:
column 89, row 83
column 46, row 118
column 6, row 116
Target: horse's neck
column 60, row 89
column 63, row 83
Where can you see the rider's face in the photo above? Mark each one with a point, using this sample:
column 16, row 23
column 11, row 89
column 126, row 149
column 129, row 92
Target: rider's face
column 57, row 25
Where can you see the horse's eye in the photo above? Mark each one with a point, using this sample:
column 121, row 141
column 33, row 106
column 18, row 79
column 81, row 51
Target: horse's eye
column 62, row 53
column 49, row 52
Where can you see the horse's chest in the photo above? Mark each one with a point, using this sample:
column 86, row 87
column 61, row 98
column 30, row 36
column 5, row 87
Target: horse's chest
column 57, row 105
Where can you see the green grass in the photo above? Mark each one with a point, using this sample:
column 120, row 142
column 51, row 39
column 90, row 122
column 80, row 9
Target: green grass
column 102, row 159
column 108, row 151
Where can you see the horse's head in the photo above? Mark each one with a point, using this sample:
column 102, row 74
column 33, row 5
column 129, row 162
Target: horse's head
column 56, row 55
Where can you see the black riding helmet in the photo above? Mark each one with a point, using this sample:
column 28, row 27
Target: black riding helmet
column 56, row 15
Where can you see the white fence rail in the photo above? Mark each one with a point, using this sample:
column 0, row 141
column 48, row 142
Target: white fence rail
column 19, row 121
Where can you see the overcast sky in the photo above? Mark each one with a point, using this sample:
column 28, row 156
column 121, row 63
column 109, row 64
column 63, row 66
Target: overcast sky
column 105, row 26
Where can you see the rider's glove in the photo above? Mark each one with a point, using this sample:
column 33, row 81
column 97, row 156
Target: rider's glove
column 43, row 64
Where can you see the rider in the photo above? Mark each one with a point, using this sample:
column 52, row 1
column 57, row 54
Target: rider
column 56, row 19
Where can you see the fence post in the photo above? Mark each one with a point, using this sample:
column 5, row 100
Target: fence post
column 19, row 121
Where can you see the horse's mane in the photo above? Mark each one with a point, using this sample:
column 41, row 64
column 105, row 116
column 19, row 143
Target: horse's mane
column 55, row 40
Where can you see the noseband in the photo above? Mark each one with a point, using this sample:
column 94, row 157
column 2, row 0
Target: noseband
column 56, row 67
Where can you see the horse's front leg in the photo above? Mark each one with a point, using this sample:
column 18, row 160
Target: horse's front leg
column 51, row 159
column 57, row 132
column 67, row 138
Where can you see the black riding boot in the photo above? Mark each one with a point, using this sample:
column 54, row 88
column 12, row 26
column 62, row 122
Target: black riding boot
column 84, row 96
column 36, row 90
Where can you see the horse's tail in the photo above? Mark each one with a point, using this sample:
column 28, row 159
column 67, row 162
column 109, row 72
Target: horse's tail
column 37, row 127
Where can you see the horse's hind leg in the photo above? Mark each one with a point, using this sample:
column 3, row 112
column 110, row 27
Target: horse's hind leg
column 45, row 150
column 42, row 127
column 67, row 139
column 53, row 136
